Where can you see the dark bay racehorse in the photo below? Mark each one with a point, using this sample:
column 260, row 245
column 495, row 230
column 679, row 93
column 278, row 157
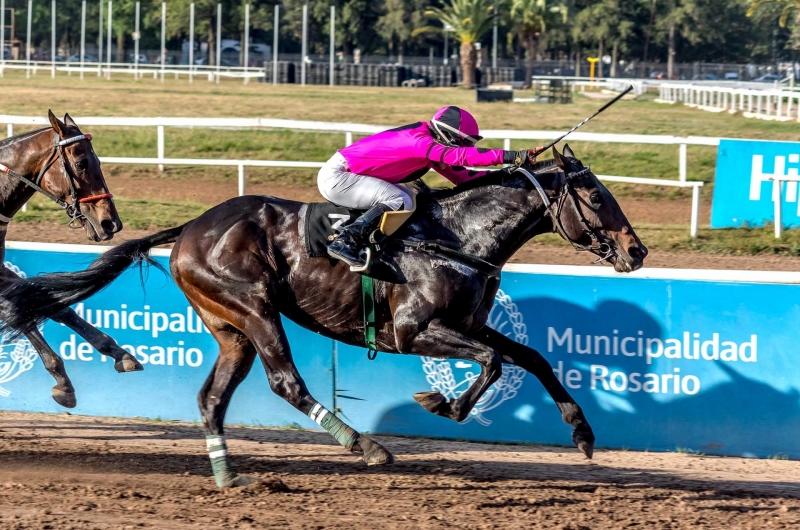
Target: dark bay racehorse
column 59, row 162
column 243, row 263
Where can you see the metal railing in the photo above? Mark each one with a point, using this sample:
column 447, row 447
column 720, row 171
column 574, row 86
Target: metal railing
column 766, row 104
column 138, row 70
column 351, row 129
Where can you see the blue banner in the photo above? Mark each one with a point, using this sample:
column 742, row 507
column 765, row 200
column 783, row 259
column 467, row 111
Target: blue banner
column 656, row 364
column 743, row 191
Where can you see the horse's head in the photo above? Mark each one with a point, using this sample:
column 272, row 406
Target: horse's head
column 587, row 216
column 80, row 179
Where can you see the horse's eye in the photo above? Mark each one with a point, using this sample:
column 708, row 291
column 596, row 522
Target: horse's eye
column 596, row 199
column 82, row 164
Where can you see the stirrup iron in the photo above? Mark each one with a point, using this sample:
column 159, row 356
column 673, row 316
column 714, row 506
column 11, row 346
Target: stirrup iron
column 367, row 265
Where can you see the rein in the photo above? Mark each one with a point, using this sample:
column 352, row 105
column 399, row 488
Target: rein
column 73, row 210
column 601, row 249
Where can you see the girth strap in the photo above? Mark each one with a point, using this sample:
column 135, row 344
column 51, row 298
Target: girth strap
column 435, row 249
column 368, row 305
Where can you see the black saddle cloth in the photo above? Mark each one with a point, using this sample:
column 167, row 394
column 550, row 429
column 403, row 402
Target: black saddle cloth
column 323, row 221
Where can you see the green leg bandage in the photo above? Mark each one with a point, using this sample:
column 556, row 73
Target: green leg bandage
column 220, row 463
column 343, row 433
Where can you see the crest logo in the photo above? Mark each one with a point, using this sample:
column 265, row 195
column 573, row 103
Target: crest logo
column 16, row 356
column 440, row 373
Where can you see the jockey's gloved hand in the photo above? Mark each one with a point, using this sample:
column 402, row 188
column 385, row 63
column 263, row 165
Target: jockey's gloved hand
column 517, row 158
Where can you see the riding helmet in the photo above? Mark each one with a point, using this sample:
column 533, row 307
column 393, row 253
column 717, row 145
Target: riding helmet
column 455, row 127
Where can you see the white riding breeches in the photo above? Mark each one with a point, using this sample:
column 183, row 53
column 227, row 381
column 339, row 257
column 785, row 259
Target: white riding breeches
column 341, row 187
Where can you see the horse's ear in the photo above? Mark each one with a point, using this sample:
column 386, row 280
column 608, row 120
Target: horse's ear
column 568, row 152
column 69, row 121
column 562, row 163
column 58, row 125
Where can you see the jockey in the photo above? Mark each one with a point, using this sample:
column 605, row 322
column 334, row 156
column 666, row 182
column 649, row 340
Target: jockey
column 366, row 174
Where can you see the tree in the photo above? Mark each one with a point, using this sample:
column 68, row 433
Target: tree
column 530, row 20
column 790, row 15
column 469, row 20
column 606, row 22
column 397, row 22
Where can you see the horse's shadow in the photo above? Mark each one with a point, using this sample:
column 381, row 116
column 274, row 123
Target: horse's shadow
column 731, row 414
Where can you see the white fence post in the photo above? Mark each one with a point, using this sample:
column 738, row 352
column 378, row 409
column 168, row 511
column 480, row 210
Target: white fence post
column 304, row 46
column 332, row 73
column 219, row 39
column 777, row 197
column 163, row 53
column 136, row 44
column 695, row 211
column 52, row 39
column 507, row 144
column 28, row 41
column 246, row 43
column 682, row 163
column 3, row 36
column 348, row 139
column 275, row 44
column 161, row 146
column 191, row 42
column 108, row 42
column 83, row 34
column 100, row 41
column 241, row 180
column 10, row 130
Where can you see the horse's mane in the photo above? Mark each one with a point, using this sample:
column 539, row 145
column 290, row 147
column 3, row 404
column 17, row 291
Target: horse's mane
column 14, row 139
column 493, row 177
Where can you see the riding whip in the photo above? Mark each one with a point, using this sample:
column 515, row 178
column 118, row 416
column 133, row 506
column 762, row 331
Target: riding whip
column 541, row 150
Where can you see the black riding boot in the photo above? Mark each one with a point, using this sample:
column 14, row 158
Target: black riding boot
column 351, row 240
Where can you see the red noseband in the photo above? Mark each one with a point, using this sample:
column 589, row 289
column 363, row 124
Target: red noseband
column 95, row 198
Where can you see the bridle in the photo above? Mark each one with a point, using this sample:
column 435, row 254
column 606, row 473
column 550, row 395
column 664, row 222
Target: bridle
column 77, row 219
column 602, row 249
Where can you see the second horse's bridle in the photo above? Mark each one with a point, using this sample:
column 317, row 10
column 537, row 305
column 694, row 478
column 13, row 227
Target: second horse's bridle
column 602, row 249
column 73, row 210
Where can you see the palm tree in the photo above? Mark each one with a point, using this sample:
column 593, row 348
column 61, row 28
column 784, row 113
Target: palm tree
column 531, row 19
column 469, row 20
column 788, row 7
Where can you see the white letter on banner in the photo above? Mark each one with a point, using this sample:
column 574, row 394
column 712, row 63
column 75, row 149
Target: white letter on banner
column 160, row 323
column 599, row 373
column 753, row 347
column 565, row 338
column 757, row 175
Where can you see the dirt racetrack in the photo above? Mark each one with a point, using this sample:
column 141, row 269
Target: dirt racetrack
column 62, row 472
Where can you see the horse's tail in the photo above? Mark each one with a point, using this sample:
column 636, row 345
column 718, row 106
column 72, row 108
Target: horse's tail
column 27, row 303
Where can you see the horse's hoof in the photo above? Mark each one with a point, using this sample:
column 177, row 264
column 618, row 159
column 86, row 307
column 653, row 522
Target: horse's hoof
column 238, row 481
column 65, row 399
column 583, row 438
column 586, row 448
column 433, row 402
column 128, row 363
column 374, row 453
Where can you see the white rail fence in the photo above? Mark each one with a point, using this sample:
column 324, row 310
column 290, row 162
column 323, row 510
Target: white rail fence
column 769, row 104
column 138, row 71
column 351, row 129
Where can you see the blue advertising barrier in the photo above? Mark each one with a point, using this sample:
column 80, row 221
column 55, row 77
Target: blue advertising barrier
column 704, row 360
column 743, row 191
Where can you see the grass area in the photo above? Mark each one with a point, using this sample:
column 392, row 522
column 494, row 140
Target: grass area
column 732, row 241
column 673, row 238
column 385, row 106
column 134, row 214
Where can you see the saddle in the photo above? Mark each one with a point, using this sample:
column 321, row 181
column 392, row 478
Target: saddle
column 324, row 219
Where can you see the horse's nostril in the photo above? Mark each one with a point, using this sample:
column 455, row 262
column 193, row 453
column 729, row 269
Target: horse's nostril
column 108, row 226
column 637, row 252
